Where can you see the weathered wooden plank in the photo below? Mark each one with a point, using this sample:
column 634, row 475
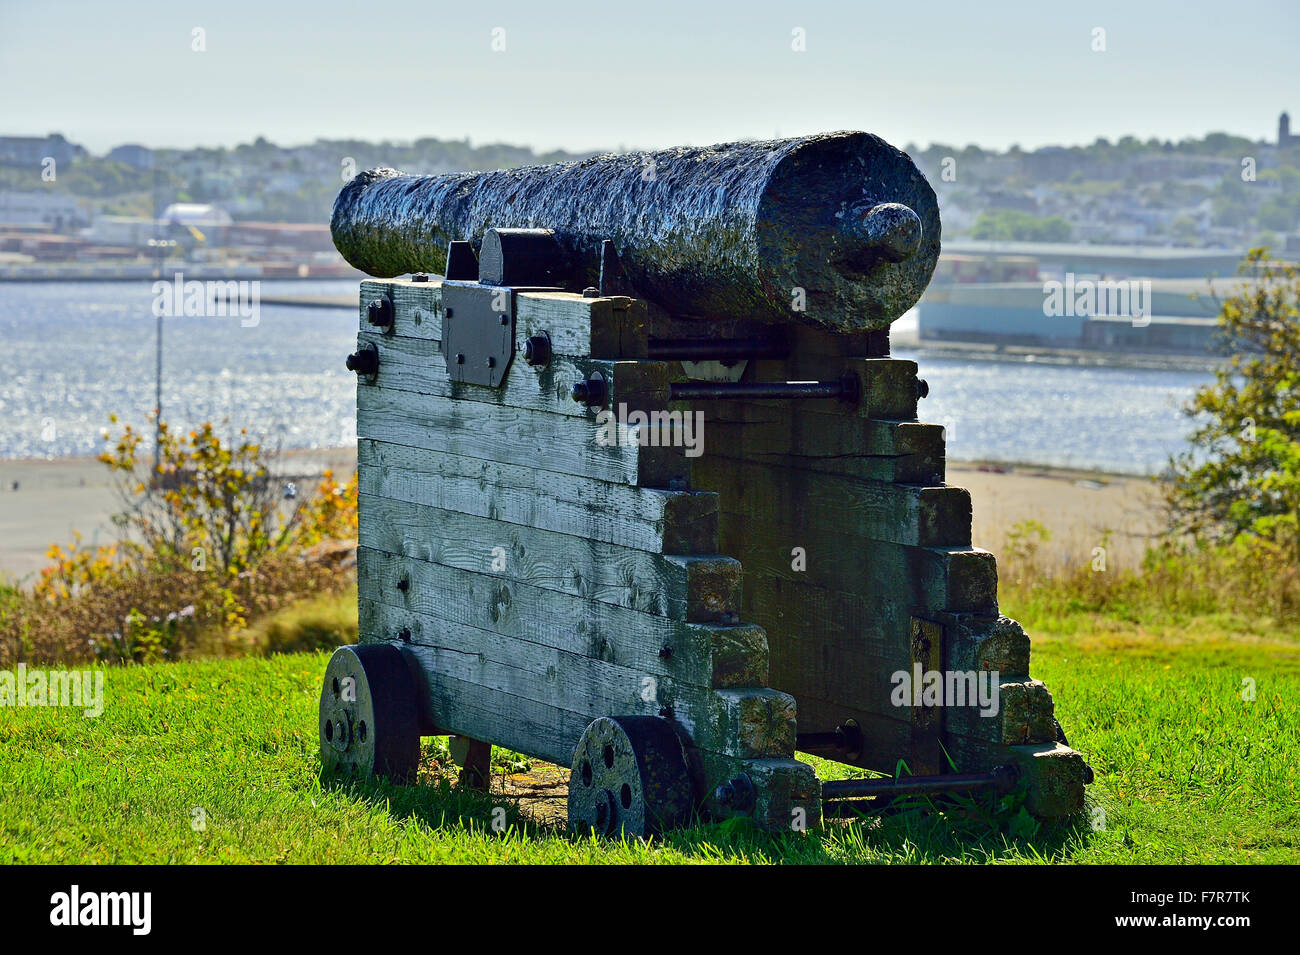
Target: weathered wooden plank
column 887, row 386
column 695, row 654
column 769, row 495
column 603, row 327
column 497, row 702
column 536, row 671
column 650, row 519
column 606, row 327
column 925, row 579
column 903, row 452
column 555, row 443
column 417, row 307
column 699, row 589
column 836, row 646
column 417, row 365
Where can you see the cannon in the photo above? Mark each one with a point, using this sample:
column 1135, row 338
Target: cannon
column 840, row 231
column 632, row 379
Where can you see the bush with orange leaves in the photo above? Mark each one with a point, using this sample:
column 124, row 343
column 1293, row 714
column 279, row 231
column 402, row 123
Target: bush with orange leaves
column 210, row 538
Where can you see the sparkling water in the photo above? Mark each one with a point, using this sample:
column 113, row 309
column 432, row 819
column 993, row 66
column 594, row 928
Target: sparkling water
column 77, row 352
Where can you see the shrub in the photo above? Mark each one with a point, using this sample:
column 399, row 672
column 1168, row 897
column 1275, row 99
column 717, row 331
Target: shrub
column 209, row 543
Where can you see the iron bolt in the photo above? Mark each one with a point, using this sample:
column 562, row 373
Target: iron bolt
column 736, row 794
column 460, row 359
column 404, row 584
column 537, row 350
column 922, row 388
column 591, row 292
column 491, row 362
column 380, row 313
column 405, row 635
column 419, row 277
column 665, row 651
column 364, row 362
column 589, row 391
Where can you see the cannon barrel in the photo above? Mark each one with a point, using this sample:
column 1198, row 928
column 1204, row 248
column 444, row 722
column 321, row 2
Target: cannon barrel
column 839, row 230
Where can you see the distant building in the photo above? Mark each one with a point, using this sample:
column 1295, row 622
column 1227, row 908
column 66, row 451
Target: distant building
column 139, row 157
column 1114, row 261
column 296, row 236
column 195, row 222
column 59, row 211
column 1285, row 138
column 1180, row 317
column 127, row 231
column 33, row 150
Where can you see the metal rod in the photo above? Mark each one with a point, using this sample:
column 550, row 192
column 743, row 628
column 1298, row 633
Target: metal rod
column 705, row 390
column 723, row 349
column 1001, row 779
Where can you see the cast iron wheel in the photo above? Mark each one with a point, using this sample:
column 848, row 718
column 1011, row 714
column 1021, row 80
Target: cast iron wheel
column 369, row 722
column 629, row 776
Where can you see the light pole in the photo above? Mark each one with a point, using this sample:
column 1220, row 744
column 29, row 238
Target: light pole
column 159, row 247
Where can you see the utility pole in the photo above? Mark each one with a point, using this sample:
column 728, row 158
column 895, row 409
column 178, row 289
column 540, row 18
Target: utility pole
column 158, row 247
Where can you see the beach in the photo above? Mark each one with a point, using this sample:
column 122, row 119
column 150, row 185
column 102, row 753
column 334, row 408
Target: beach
column 45, row 501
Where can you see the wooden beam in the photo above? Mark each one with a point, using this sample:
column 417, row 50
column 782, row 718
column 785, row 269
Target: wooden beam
column 508, row 705
column 419, row 366
column 768, row 495
column 463, row 610
column 556, row 443
column 701, row 589
column 669, row 522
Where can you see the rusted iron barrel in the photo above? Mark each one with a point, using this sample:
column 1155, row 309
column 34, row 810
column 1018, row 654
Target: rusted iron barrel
column 838, row 230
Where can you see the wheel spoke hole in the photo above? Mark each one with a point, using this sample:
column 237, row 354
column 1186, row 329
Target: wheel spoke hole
column 586, row 772
column 609, row 757
column 625, row 796
column 361, row 730
column 335, row 687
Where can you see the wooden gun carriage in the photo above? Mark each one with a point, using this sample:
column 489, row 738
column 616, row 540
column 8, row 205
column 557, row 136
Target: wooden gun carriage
column 627, row 388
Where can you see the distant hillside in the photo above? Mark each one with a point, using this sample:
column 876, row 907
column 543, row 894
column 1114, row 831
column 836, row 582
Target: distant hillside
column 259, row 180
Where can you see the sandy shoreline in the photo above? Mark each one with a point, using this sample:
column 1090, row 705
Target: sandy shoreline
column 57, row 497
column 54, row 498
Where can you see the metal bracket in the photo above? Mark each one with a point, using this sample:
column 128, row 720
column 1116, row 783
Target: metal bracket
column 478, row 332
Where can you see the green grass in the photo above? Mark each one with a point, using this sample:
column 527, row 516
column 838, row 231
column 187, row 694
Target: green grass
column 1187, row 771
column 317, row 623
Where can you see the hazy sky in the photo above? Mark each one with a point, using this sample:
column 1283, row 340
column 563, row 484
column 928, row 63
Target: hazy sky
column 585, row 75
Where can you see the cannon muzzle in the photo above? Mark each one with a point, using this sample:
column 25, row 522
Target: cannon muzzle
column 839, row 231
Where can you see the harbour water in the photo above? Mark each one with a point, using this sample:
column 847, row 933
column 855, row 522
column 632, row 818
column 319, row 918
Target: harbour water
column 76, row 353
